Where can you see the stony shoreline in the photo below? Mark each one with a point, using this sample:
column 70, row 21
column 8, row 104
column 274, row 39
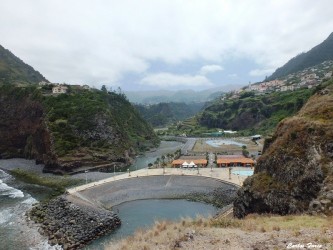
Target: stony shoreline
column 72, row 225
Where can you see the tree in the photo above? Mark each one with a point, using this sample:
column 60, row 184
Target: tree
column 168, row 156
column 104, row 88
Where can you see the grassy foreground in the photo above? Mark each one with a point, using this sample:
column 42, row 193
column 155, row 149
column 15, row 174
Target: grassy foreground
column 253, row 232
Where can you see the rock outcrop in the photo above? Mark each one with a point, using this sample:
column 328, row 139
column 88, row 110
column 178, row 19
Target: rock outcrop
column 23, row 131
column 70, row 132
column 71, row 225
column 295, row 172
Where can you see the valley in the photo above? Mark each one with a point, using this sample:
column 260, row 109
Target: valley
column 85, row 164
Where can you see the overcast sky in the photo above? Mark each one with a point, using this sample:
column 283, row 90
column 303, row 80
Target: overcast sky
column 161, row 44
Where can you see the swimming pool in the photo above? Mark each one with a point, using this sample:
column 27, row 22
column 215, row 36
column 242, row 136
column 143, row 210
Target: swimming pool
column 219, row 143
column 243, row 172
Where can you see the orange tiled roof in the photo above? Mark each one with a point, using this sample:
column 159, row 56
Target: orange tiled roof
column 226, row 160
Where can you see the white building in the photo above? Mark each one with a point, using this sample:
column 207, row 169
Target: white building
column 60, row 89
column 286, row 88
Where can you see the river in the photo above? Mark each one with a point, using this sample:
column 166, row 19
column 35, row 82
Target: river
column 16, row 198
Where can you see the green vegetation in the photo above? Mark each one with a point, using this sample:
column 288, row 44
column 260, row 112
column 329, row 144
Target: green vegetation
column 254, row 114
column 163, row 114
column 14, row 70
column 96, row 120
column 316, row 55
column 56, row 183
column 249, row 114
column 84, row 125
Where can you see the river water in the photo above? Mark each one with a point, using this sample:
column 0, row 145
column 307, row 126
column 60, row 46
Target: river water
column 16, row 198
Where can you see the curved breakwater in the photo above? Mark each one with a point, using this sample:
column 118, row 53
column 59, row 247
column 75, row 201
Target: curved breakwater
column 198, row 188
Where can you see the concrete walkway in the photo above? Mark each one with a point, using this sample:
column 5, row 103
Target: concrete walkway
column 217, row 173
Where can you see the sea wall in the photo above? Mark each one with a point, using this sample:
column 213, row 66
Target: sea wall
column 196, row 188
column 72, row 225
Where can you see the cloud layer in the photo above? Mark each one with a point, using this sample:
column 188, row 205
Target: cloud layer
column 104, row 41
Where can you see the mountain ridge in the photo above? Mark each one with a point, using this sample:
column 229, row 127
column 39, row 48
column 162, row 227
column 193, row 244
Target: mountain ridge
column 15, row 70
column 318, row 54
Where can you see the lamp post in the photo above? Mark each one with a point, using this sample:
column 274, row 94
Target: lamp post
column 86, row 176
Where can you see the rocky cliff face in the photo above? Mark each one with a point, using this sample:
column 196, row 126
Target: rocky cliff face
column 23, row 131
column 70, row 132
column 295, row 173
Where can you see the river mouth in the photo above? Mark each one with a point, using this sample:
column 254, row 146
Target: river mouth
column 142, row 214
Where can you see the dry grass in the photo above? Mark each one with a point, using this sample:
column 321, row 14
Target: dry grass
column 192, row 233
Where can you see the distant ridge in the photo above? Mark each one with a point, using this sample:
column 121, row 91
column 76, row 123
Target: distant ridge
column 316, row 55
column 14, row 70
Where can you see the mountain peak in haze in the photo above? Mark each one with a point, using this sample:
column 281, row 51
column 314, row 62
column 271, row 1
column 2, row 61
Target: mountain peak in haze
column 14, row 70
column 317, row 55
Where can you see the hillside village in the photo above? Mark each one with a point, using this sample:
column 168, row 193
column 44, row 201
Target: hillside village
column 307, row 78
column 58, row 88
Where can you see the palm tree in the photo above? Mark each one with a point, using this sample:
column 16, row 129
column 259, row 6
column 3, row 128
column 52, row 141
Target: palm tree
column 168, row 157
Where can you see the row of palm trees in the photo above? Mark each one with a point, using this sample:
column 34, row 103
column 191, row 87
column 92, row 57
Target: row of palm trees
column 165, row 159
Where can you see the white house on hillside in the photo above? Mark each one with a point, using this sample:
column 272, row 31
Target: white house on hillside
column 60, row 89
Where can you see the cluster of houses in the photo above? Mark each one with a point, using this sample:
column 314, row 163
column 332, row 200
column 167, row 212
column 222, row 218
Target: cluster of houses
column 307, row 78
column 58, row 88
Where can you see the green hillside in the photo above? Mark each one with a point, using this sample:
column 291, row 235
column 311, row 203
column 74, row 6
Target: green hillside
column 248, row 114
column 96, row 120
column 257, row 113
column 14, row 70
column 162, row 114
column 320, row 53
column 73, row 130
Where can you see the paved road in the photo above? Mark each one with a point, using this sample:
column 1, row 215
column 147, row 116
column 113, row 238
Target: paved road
column 188, row 146
column 218, row 173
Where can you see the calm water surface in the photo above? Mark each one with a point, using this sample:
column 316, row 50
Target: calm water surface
column 143, row 213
